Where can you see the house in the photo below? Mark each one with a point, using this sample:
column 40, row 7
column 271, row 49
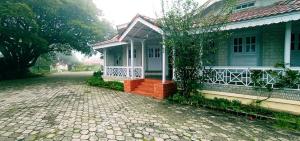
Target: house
column 263, row 34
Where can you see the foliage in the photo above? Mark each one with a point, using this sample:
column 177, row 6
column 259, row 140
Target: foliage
column 257, row 80
column 283, row 120
column 287, row 79
column 290, row 79
column 31, row 28
column 41, row 69
column 82, row 67
column 98, row 74
column 97, row 81
column 190, row 34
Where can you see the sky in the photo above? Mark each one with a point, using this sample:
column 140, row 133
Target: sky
column 122, row 11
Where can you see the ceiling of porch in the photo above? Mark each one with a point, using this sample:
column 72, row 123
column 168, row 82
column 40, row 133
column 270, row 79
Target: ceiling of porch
column 141, row 31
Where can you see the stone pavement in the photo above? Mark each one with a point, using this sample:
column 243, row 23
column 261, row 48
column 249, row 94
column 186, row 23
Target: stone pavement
column 62, row 107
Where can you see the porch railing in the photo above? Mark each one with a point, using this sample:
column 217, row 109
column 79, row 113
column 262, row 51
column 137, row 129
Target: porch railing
column 242, row 75
column 123, row 71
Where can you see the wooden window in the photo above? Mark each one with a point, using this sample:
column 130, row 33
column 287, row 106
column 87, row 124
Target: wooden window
column 245, row 5
column 245, row 44
column 293, row 41
column 251, row 44
column 298, row 41
column 157, row 52
column 129, row 53
column 134, row 53
column 238, row 45
column 150, row 52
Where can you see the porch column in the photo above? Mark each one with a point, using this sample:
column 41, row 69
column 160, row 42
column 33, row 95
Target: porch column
column 104, row 51
column 127, row 61
column 143, row 59
column 131, row 59
column 287, row 44
column 163, row 60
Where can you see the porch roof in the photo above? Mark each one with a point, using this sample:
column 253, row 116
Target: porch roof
column 282, row 7
column 139, row 27
column 284, row 11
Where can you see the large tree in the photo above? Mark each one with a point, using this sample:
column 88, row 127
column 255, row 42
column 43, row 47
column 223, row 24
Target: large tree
column 191, row 32
column 30, row 28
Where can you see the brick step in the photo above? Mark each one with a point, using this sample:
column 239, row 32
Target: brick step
column 141, row 92
column 151, row 81
column 145, row 84
column 149, row 90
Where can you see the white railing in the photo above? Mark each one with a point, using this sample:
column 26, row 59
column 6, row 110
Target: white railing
column 242, row 75
column 121, row 71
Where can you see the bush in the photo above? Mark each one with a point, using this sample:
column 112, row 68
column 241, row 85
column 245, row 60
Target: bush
column 97, row 80
column 98, row 74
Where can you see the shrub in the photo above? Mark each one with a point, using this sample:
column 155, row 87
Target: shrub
column 98, row 74
column 97, row 80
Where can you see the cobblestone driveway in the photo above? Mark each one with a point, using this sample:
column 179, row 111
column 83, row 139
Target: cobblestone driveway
column 62, row 107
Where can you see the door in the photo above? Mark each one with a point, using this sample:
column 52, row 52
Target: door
column 295, row 50
column 134, row 57
column 154, row 57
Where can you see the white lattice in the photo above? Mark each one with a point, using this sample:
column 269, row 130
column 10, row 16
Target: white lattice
column 120, row 71
column 241, row 75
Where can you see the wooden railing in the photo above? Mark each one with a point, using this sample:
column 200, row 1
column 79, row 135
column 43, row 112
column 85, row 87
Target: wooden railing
column 242, row 75
column 123, row 71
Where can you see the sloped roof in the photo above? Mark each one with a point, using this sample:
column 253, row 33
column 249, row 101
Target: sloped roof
column 278, row 8
column 112, row 40
column 282, row 7
column 115, row 39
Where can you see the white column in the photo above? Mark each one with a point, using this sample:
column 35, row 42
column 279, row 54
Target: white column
column 163, row 60
column 143, row 59
column 287, row 44
column 131, row 59
column 104, row 51
column 127, row 61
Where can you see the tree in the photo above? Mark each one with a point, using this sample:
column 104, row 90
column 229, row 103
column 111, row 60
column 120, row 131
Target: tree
column 31, row 28
column 191, row 30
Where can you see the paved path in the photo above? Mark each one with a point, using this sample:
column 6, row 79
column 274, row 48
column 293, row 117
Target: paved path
column 62, row 107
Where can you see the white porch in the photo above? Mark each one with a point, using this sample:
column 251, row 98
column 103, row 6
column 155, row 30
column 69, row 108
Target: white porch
column 137, row 52
column 256, row 48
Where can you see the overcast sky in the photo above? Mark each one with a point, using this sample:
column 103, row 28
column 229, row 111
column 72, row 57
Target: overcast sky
column 122, row 11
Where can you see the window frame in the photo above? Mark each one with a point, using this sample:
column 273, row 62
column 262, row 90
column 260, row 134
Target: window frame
column 293, row 41
column 157, row 53
column 129, row 53
column 244, row 44
column 150, row 53
column 244, row 5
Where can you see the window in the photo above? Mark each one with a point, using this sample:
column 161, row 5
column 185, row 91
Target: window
column 299, row 41
column 134, row 53
column 293, row 42
column 157, row 52
column 238, row 45
column 250, row 44
column 245, row 5
column 246, row 44
column 150, row 52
